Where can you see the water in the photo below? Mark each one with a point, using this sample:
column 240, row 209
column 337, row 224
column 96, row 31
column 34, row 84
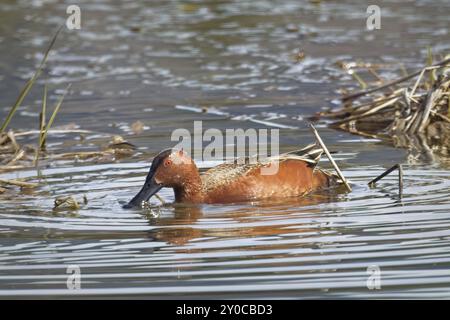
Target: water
column 161, row 62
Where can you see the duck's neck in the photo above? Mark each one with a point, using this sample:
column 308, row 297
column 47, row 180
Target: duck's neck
column 191, row 189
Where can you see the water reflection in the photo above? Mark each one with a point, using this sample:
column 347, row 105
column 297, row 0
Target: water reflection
column 181, row 227
column 142, row 61
column 323, row 242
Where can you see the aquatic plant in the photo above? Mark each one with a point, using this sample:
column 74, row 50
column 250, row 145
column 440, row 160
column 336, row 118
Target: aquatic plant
column 29, row 84
column 411, row 111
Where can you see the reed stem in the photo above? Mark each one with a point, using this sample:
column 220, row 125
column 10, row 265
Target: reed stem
column 29, row 84
column 325, row 149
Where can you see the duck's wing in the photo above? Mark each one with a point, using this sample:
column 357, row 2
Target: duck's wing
column 226, row 173
column 310, row 154
column 230, row 171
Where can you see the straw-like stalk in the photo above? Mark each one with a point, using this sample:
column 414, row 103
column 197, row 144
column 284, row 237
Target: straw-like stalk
column 41, row 143
column 52, row 118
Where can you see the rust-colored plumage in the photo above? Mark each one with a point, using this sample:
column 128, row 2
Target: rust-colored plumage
column 288, row 175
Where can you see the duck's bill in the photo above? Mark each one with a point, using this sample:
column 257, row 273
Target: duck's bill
column 149, row 189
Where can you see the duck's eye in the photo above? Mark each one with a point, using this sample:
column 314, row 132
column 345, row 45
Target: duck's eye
column 168, row 162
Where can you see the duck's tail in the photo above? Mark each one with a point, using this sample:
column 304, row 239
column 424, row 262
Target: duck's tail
column 310, row 154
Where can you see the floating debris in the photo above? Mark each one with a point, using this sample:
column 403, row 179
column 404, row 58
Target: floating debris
column 189, row 7
column 57, row 130
column 135, row 29
column 299, row 56
column 19, row 155
column 163, row 202
column 137, row 127
column 19, row 183
column 292, row 27
column 12, row 168
column 8, row 143
column 121, row 147
column 80, row 155
column 65, row 202
column 414, row 116
column 118, row 142
column 400, row 178
column 14, row 156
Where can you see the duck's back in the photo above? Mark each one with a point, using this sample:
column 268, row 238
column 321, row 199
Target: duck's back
column 296, row 175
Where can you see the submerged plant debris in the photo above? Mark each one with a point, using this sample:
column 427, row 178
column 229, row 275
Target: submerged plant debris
column 411, row 112
column 69, row 203
column 15, row 156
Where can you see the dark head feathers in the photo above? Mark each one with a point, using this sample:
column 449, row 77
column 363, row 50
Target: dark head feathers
column 158, row 160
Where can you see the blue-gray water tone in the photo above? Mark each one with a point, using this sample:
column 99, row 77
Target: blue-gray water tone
column 161, row 62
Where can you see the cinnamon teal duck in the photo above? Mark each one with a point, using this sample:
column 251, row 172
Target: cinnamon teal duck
column 239, row 181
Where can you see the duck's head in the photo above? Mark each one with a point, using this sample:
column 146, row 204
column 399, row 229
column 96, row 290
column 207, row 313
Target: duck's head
column 169, row 169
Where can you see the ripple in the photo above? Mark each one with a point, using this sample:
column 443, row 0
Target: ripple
column 321, row 242
column 238, row 60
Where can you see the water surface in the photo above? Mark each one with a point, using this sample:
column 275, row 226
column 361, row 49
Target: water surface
column 161, row 62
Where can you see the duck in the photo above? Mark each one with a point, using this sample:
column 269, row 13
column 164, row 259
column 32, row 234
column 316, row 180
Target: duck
column 292, row 174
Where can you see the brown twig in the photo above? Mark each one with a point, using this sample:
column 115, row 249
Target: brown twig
column 16, row 157
column 325, row 149
column 19, row 183
column 388, row 171
column 391, row 83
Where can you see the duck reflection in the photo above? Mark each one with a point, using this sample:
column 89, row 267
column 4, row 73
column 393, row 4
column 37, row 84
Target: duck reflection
column 179, row 224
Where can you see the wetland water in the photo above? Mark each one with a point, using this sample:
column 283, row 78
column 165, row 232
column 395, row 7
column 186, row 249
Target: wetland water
column 159, row 62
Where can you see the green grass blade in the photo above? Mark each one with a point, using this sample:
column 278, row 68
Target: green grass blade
column 52, row 118
column 43, row 113
column 361, row 82
column 41, row 125
column 433, row 76
column 18, row 102
column 29, row 84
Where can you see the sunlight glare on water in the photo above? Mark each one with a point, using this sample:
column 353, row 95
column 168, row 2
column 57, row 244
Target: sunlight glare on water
column 321, row 244
column 230, row 64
